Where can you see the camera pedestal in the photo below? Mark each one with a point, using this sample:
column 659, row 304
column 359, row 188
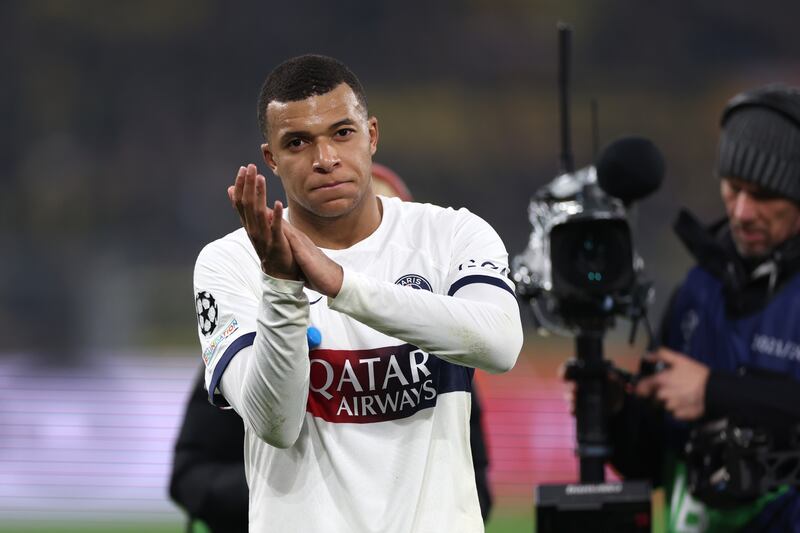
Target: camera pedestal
column 593, row 504
column 621, row 507
column 589, row 371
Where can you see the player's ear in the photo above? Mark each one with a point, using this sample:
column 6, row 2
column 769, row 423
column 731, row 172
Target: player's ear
column 372, row 125
column 269, row 158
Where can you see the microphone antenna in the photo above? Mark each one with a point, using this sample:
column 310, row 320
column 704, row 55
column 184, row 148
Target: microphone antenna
column 566, row 163
column 595, row 129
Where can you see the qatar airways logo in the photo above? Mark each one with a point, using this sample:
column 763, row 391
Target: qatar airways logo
column 361, row 386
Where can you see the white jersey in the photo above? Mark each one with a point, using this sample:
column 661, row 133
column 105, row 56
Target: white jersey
column 383, row 442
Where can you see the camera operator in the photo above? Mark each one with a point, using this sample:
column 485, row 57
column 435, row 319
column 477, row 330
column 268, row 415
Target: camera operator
column 730, row 341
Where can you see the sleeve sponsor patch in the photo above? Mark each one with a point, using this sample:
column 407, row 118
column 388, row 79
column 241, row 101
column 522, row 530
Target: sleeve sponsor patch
column 495, row 266
column 211, row 350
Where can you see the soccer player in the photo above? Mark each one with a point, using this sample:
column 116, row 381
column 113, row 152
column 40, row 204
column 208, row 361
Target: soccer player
column 208, row 479
column 368, row 430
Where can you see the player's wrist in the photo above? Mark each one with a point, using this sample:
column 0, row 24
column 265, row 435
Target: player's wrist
column 282, row 285
column 334, row 285
column 269, row 269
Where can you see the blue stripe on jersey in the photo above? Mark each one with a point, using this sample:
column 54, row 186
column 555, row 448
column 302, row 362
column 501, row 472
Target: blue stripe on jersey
column 477, row 278
column 454, row 378
column 236, row 346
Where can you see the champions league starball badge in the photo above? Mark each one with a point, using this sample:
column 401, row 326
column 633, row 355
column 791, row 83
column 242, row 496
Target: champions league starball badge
column 414, row 281
column 207, row 312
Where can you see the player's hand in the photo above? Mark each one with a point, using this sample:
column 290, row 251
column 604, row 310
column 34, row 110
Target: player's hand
column 264, row 226
column 680, row 387
column 322, row 274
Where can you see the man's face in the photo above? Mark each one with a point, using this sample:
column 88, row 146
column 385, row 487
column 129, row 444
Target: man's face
column 321, row 148
column 759, row 220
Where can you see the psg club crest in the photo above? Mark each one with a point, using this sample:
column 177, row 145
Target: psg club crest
column 207, row 312
column 415, row 282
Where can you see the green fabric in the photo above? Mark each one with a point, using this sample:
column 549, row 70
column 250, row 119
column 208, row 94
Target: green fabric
column 684, row 514
column 198, row 526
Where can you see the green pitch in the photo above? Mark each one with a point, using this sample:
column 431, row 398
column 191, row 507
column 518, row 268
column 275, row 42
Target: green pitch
column 498, row 524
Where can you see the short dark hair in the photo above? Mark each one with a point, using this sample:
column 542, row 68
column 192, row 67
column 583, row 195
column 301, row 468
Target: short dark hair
column 303, row 76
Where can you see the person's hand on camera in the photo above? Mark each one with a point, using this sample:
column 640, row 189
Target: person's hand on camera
column 614, row 393
column 680, row 387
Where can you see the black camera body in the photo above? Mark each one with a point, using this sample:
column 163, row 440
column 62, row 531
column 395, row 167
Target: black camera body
column 580, row 264
column 593, row 258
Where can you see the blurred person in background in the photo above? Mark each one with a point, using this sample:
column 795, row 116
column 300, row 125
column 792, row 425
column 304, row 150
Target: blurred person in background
column 208, row 480
column 208, row 477
column 730, row 337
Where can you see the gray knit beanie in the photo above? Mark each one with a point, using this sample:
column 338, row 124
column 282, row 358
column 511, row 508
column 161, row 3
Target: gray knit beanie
column 760, row 139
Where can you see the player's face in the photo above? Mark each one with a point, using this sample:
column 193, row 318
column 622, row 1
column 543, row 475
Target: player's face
column 321, row 148
column 759, row 220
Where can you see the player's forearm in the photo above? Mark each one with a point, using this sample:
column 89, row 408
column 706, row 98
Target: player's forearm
column 478, row 327
column 274, row 385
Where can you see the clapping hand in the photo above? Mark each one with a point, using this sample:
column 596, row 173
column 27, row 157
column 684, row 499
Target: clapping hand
column 285, row 252
column 265, row 227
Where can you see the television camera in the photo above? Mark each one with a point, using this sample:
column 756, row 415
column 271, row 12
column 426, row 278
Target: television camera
column 579, row 272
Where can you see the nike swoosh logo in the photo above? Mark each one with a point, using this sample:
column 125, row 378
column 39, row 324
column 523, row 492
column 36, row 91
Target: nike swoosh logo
column 315, row 301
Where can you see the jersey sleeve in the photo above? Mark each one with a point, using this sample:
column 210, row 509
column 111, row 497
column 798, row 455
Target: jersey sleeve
column 475, row 324
column 479, row 255
column 226, row 307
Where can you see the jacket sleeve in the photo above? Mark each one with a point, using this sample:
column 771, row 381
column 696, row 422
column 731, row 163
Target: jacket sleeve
column 208, row 478
column 480, row 455
column 763, row 399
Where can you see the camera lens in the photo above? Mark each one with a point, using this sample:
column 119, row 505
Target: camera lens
column 591, row 257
